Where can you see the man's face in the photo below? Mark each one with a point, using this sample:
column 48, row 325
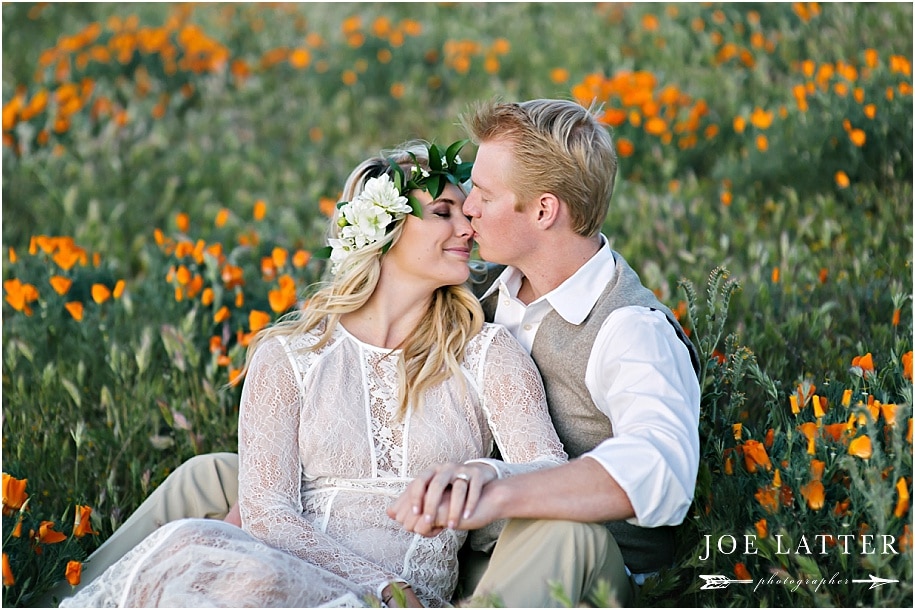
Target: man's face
column 502, row 233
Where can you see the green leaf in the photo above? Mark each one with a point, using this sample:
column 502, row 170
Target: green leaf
column 435, row 185
column 417, row 207
column 322, row 253
column 454, row 149
column 435, row 158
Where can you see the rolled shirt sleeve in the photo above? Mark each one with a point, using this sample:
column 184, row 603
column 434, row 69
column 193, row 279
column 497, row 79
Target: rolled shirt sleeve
column 640, row 376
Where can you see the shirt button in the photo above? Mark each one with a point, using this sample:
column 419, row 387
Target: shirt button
column 528, row 327
column 506, row 302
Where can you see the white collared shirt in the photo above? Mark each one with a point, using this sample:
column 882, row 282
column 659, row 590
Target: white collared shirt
column 639, row 375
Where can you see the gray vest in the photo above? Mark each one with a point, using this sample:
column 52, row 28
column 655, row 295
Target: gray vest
column 561, row 351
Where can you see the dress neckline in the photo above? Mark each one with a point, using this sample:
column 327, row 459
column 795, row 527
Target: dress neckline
column 366, row 345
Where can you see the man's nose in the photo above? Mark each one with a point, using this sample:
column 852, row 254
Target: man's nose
column 470, row 204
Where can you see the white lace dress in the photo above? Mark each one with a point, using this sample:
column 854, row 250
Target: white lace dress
column 322, row 454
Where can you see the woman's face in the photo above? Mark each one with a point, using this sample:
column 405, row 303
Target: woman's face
column 435, row 248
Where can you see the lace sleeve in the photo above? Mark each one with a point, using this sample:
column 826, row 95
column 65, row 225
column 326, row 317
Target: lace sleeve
column 514, row 402
column 269, row 474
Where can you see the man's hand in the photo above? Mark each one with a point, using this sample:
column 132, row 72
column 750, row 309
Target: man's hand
column 444, row 496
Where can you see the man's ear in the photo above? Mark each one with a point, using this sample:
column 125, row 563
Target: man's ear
column 548, row 210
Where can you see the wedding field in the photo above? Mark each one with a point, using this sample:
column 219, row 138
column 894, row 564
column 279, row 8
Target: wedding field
column 167, row 169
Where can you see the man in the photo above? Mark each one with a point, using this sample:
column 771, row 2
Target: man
column 619, row 374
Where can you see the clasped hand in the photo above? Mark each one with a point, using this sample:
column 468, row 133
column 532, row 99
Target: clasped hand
column 444, row 496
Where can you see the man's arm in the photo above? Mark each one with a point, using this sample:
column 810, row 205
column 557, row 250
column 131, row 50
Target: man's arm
column 553, row 493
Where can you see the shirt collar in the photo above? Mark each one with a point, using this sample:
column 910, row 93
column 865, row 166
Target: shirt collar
column 574, row 298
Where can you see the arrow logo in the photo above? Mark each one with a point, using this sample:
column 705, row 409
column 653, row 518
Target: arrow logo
column 716, row 581
column 876, row 581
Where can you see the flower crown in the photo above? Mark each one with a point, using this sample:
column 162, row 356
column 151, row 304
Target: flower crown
column 384, row 200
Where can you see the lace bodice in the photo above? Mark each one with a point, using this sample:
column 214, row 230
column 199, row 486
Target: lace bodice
column 322, row 451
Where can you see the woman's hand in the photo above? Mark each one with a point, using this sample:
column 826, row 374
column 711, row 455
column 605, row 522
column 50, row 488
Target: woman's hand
column 390, row 597
column 441, row 497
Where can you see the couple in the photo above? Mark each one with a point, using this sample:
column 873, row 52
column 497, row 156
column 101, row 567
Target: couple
column 367, row 420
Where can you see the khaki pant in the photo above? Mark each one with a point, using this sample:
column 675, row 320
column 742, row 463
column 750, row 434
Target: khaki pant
column 527, row 558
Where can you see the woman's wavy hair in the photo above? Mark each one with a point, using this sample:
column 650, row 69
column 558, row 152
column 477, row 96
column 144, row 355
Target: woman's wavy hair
column 434, row 350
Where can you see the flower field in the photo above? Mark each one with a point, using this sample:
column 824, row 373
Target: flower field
column 169, row 168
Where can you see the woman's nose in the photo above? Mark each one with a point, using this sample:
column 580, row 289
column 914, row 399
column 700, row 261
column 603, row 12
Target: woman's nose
column 462, row 226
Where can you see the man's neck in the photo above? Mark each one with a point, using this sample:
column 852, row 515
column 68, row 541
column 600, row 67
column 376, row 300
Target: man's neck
column 551, row 266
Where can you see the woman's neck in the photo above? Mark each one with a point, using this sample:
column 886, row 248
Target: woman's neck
column 390, row 315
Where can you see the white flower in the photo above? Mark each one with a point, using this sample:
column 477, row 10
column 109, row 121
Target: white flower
column 381, row 191
column 366, row 218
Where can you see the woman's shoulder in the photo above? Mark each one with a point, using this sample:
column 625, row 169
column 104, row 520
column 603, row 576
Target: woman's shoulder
column 296, row 344
column 490, row 336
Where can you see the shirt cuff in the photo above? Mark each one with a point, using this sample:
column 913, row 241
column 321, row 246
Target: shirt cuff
column 493, row 463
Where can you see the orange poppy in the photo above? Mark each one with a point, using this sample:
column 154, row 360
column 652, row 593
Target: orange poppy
column 257, row 320
column 14, row 495
column 74, row 572
column 809, row 430
column 82, row 523
column 260, row 209
column 841, row 508
column 846, row 397
column 762, row 528
column 835, row 432
column 819, row 406
column 284, row 297
column 76, row 310
column 814, row 493
column 301, row 258
column 902, row 504
column 865, row 363
column 861, row 447
column 816, row 469
column 19, row 295
column 47, row 535
column 755, row 456
column 8, row 579
column 222, row 315
column 767, row 498
column 100, row 293
column 741, row 571
column 60, row 284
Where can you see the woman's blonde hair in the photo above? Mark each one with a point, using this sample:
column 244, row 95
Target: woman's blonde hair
column 434, row 350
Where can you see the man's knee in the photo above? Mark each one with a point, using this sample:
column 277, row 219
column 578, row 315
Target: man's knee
column 576, row 555
column 203, row 486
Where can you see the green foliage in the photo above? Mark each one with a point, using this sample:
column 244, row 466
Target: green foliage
column 38, row 547
column 161, row 174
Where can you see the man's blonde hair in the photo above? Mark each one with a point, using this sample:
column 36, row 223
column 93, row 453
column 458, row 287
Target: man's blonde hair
column 558, row 147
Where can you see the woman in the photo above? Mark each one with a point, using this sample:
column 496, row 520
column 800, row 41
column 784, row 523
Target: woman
column 388, row 371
